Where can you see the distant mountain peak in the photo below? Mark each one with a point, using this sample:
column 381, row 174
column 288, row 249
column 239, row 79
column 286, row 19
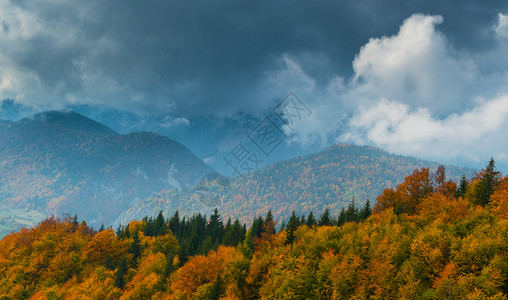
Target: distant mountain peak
column 68, row 119
column 78, row 165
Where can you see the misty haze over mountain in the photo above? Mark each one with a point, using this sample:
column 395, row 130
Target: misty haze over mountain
column 61, row 162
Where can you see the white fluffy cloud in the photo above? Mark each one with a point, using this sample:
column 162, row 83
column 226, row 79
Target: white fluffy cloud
column 413, row 93
column 395, row 127
column 416, row 66
column 502, row 26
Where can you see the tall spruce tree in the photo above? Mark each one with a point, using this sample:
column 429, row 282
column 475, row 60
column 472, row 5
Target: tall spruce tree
column 215, row 229
column 462, row 187
column 269, row 216
column 174, row 224
column 135, row 246
column 341, row 219
column 256, row 227
column 160, row 224
column 489, row 179
column 311, row 220
column 365, row 212
column 325, row 219
column 291, row 227
column 120, row 274
column 352, row 211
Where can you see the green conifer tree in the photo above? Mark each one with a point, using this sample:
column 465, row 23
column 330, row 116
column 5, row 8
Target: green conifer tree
column 325, row 219
column 120, row 274
column 291, row 227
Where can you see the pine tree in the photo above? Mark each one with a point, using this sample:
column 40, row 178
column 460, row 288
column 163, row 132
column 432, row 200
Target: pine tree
column 341, row 219
column 120, row 274
column 120, row 231
column 269, row 217
column 149, row 229
column 325, row 219
column 126, row 232
column 215, row 228
column 352, row 212
column 365, row 212
column 311, row 220
column 256, row 227
column 291, row 227
column 174, row 224
column 489, row 179
column 228, row 234
column 196, row 229
column 160, row 225
column 238, row 234
column 462, row 188
column 135, row 247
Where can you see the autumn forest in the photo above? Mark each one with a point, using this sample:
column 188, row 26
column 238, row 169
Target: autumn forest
column 427, row 238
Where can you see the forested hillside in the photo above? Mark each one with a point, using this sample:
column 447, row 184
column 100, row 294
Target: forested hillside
column 62, row 162
column 427, row 238
column 327, row 179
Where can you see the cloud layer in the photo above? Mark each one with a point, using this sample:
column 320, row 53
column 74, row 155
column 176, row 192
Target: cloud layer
column 431, row 84
column 196, row 57
column 414, row 93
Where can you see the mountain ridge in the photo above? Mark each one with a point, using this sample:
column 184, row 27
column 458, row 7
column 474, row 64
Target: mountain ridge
column 62, row 162
column 71, row 119
column 329, row 178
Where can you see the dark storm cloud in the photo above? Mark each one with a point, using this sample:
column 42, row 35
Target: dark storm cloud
column 423, row 78
column 198, row 57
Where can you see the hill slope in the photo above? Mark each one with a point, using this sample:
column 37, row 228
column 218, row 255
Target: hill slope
column 62, row 162
column 446, row 248
column 330, row 178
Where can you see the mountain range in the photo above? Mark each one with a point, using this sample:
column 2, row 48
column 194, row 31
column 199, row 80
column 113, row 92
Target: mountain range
column 329, row 179
column 61, row 162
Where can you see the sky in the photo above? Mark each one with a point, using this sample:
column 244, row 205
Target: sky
column 421, row 78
